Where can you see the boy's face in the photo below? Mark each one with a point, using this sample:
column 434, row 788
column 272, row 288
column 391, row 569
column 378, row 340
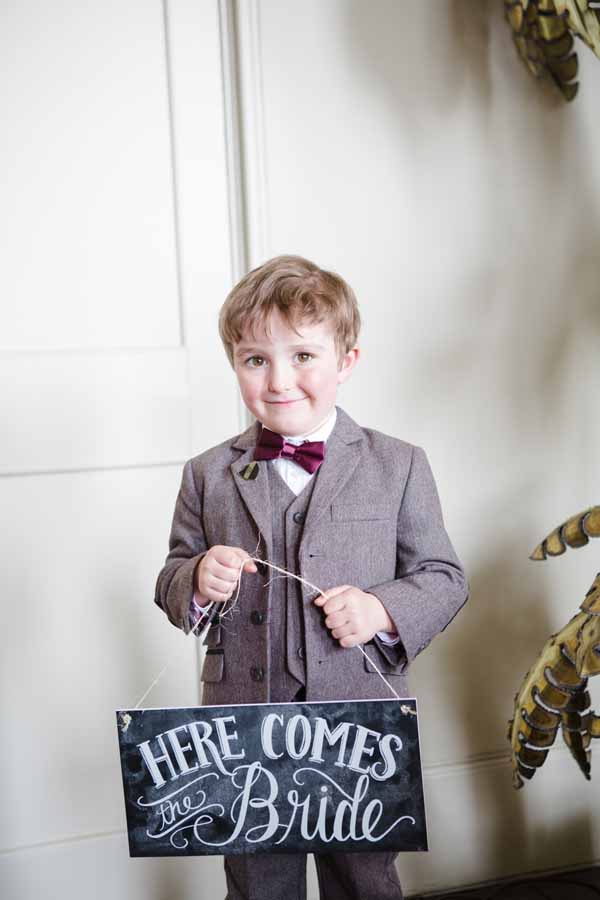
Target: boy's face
column 289, row 381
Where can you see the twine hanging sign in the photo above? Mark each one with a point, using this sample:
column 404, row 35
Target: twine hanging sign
column 282, row 777
column 272, row 777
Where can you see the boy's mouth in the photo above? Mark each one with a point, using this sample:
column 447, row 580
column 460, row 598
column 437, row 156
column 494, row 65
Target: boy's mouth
column 284, row 402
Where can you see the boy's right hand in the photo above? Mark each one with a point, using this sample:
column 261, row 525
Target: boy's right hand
column 217, row 572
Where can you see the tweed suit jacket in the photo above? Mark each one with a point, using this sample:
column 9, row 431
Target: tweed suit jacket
column 374, row 521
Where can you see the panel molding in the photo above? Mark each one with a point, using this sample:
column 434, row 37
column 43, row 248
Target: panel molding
column 252, row 137
column 86, row 411
column 246, row 143
column 233, row 139
column 174, row 185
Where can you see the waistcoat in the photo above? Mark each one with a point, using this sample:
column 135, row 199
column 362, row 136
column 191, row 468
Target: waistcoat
column 287, row 669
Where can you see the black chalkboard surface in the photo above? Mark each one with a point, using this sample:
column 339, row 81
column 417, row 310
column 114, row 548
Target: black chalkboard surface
column 275, row 777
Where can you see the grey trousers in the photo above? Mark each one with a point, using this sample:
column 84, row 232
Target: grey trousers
column 282, row 876
column 342, row 876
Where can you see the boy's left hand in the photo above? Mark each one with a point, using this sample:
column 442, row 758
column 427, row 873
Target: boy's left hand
column 352, row 615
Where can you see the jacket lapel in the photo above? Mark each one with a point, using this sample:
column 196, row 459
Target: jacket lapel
column 254, row 492
column 342, row 455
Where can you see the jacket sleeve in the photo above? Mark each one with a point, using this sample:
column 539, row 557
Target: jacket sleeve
column 187, row 545
column 430, row 585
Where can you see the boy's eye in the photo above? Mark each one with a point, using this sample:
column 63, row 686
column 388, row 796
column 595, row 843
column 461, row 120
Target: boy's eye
column 251, row 359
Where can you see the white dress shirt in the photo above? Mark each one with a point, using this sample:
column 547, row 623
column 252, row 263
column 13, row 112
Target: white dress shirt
column 296, row 477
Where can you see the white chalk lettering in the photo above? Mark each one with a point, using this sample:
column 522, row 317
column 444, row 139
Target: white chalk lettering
column 389, row 762
column 291, row 746
column 360, row 748
column 272, row 799
column 152, row 761
column 178, row 750
column 202, row 741
column 224, row 738
column 266, row 735
column 324, row 733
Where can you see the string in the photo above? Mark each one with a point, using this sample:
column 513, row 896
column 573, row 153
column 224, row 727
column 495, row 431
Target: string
column 319, row 593
column 232, row 603
column 201, row 635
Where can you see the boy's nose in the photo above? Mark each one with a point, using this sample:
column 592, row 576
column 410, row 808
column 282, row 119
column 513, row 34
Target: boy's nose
column 280, row 381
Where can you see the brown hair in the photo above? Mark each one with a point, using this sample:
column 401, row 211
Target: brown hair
column 300, row 290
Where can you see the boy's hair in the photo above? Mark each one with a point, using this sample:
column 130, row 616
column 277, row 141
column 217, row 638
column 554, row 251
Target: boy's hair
column 300, row 290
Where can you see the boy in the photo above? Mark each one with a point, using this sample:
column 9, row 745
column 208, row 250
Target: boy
column 350, row 509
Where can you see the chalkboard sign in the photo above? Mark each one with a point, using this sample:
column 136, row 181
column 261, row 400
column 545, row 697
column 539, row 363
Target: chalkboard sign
column 275, row 777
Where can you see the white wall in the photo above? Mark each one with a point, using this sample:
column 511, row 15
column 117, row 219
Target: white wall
column 404, row 146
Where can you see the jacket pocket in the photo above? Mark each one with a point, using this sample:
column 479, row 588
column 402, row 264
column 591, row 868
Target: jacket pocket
column 384, row 666
column 213, row 636
column 214, row 665
column 365, row 512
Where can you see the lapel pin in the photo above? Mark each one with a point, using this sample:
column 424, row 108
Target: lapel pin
column 250, row 471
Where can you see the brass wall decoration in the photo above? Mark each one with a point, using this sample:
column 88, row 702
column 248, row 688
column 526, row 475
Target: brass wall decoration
column 554, row 691
column 543, row 33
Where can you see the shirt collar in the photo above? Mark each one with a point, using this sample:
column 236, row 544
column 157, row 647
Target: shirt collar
column 320, row 433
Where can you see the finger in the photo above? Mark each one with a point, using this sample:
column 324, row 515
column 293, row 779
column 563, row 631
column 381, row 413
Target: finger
column 351, row 640
column 343, row 630
column 235, row 559
column 223, row 573
column 328, row 594
column 220, row 586
column 223, row 555
column 249, row 565
column 231, row 557
column 337, row 618
column 235, row 564
column 335, row 605
column 218, row 596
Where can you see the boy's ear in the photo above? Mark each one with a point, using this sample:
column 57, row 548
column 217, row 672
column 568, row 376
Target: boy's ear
column 348, row 363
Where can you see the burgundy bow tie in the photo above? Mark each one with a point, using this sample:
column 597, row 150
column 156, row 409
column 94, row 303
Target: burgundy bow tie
column 271, row 445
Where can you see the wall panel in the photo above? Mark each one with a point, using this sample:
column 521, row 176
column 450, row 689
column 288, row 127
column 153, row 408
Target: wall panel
column 90, row 257
column 117, row 258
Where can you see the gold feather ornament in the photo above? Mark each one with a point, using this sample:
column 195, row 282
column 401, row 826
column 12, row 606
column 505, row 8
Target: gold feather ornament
column 543, row 33
column 584, row 20
column 575, row 532
column 554, row 692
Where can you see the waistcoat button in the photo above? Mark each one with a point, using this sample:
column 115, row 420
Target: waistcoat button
column 301, row 652
column 256, row 617
column 257, row 673
column 298, row 517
